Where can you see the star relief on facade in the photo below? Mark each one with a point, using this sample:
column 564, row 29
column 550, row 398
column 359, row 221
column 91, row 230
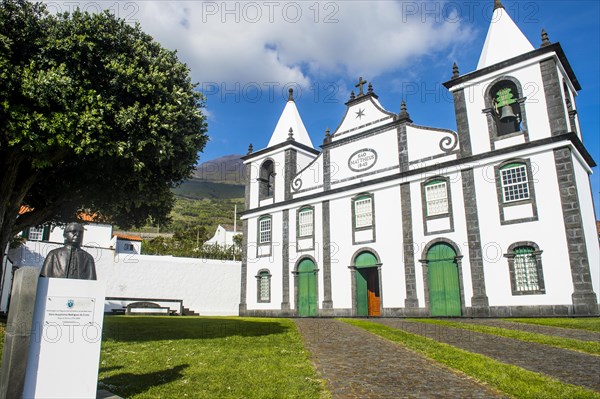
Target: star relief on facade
column 360, row 113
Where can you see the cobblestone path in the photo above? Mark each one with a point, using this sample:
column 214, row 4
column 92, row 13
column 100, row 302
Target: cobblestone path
column 358, row 364
column 565, row 365
column 581, row 335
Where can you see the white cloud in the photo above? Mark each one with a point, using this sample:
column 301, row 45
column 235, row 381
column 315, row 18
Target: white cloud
column 296, row 41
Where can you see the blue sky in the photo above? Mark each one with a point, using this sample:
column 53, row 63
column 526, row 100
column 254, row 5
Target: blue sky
column 245, row 55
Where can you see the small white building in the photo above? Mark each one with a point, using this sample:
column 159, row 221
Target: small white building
column 393, row 218
column 223, row 236
column 126, row 243
column 95, row 234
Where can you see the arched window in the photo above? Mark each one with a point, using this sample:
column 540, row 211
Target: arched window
column 525, row 266
column 263, row 289
column 506, row 109
column 266, row 180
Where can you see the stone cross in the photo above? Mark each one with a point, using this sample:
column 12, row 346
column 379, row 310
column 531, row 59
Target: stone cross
column 360, row 84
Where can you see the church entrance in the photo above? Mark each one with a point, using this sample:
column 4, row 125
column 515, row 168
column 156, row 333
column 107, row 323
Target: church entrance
column 307, row 289
column 444, row 287
column 368, row 296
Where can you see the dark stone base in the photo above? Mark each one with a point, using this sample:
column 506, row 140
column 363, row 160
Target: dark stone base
column 585, row 304
column 492, row 311
column 411, row 303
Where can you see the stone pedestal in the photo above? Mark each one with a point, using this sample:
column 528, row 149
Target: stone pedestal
column 64, row 350
column 18, row 332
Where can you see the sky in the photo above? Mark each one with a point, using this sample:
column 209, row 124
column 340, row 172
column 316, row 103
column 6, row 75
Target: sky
column 245, row 55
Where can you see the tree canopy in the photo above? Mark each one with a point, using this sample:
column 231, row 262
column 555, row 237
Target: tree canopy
column 95, row 116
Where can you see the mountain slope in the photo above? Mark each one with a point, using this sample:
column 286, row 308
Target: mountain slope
column 220, row 178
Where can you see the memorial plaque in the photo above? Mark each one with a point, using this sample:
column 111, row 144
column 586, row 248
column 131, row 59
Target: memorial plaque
column 64, row 350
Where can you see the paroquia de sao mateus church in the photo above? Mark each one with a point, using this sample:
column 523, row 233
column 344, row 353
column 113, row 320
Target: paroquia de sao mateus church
column 391, row 218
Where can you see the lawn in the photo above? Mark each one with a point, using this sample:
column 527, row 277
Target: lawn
column 580, row 323
column 196, row 357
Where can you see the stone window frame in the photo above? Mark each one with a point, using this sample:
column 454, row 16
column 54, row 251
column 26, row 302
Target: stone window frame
column 489, row 110
column 363, row 228
column 259, row 275
column 264, row 244
column 298, row 212
column 266, row 179
column 500, row 194
column 448, row 214
column 359, row 197
column 510, row 256
column 259, row 237
column 312, row 236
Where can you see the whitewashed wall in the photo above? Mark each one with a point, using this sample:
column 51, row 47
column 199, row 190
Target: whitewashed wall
column 94, row 235
column 208, row 287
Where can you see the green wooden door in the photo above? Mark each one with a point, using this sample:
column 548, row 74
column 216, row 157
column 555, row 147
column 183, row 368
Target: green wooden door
column 307, row 288
column 365, row 262
column 444, row 289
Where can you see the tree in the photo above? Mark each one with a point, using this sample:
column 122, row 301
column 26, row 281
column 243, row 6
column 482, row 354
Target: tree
column 95, row 116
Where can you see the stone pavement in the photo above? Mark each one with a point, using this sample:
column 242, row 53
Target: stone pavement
column 565, row 365
column 358, row 364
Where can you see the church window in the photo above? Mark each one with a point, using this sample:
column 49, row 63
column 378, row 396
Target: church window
column 264, row 230
column 515, row 183
column 525, row 269
column 263, row 289
column 506, row 107
column 266, row 180
column 436, row 198
column 363, row 212
column 305, row 222
column 570, row 107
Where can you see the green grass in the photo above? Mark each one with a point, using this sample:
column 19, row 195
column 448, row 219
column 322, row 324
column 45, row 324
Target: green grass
column 179, row 357
column 511, row 380
column 587, row 323
column 559, row 342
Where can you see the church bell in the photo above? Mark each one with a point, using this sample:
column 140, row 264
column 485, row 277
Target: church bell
column 507, row 114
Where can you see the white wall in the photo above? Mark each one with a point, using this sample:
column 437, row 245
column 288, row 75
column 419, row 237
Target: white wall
column 208, row 287
column 94, row 235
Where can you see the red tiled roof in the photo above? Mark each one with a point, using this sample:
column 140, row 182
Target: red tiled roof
column 127, row 237
column 24, row 209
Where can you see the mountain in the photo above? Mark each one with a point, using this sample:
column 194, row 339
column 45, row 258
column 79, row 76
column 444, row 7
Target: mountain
column 220, row 178
column 227, row 169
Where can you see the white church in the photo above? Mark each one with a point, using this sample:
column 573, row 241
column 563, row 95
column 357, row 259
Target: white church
column 390, row 218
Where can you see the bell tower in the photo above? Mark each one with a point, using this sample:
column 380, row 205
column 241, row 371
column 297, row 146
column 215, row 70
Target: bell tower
column 520, row 98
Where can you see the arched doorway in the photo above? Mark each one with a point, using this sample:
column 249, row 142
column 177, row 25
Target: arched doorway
column 444, row 285
column 307, row 288
column 368, row 295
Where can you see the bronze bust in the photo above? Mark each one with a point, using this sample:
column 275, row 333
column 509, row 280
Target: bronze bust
column 70, row 261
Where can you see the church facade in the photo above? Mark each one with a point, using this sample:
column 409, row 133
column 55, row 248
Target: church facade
column 390, row 218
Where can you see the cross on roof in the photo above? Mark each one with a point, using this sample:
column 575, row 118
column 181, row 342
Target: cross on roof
column 360, row 84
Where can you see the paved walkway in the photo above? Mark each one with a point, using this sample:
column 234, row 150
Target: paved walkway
column 358, row 364
column 565, row 365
